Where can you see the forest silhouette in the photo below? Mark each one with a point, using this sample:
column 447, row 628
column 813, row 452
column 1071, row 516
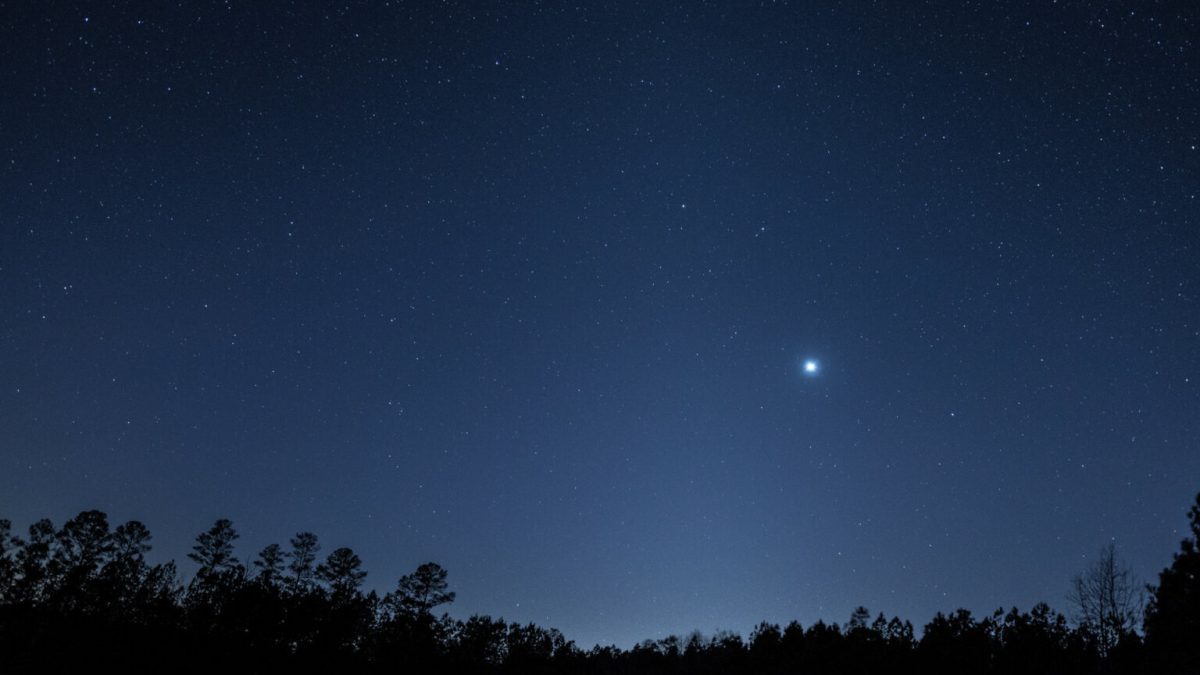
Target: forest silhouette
column 84, row 597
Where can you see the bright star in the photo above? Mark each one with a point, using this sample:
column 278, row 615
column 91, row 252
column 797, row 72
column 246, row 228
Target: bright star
column 810, row 367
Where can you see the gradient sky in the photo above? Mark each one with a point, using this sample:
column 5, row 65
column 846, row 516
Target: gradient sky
column 526, row 289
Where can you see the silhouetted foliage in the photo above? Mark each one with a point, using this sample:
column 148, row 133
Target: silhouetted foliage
column 303, row 559
column 270, row 565
column 8, row 566
column 410, row 635
column 418, row 593
column 214, row 549
column 342, row 570
column 1173, row 615
column 91, row 588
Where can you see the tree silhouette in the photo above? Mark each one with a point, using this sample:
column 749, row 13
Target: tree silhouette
column 480, row 641
column 303, row 557
column 1107, row 600
column 955, row 643
column 530, row 647
column 131, row 542
column 211, row 599
column 418, row 593
column 125, row 573
column 75, row 556
column 410, row 636
column 8, row 567
column 92, row 589
column 343, row 572
column 32, row 562
column 82, row 544
column 213, row 550
column 766, row 646
column 270, row 564
column 1173, row 615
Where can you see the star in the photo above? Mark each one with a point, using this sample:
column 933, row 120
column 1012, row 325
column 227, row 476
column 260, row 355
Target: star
column 811, row 367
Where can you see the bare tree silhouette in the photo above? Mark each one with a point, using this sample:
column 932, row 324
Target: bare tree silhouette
column 1107, row 600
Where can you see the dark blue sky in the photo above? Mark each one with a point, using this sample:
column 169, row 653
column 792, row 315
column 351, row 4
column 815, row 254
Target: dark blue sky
column 526, row 289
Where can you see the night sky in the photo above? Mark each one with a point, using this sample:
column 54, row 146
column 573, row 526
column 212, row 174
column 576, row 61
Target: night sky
column 528, row 289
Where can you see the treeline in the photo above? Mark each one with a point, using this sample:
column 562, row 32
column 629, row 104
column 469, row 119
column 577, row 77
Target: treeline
column 83, row 597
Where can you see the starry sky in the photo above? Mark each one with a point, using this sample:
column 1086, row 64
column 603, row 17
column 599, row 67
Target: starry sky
column 528, row 289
